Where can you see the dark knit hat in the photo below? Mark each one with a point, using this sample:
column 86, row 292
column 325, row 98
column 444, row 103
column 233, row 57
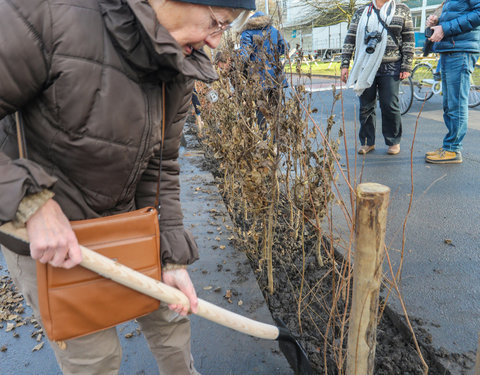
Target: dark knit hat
column 241, row 4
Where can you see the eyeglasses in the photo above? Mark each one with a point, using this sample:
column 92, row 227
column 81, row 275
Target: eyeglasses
column 220, row 27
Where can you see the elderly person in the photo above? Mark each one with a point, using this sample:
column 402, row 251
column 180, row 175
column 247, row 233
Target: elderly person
column 456, row 34
column 88, row 79
column 382, row 38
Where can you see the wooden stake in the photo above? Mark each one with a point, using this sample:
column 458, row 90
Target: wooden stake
column 477, row 361
column 371, row 216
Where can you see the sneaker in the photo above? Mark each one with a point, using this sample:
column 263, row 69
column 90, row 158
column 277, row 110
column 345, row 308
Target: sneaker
column 435, row 152
column 365, row 149
column 393, row 150
column 445, row 157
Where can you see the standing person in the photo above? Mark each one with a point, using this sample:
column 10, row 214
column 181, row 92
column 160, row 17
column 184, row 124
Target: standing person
column 456, row 34
column 196, row 107
column 261, row 46
column 88, row 79
column 382, row 38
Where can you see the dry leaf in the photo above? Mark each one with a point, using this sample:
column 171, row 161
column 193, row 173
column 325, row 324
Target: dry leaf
column 129, row 335
column 10, row 326
column 38, row 347
column 222, row 247
column 240, row 303
column 3, row 348
column 207, row 287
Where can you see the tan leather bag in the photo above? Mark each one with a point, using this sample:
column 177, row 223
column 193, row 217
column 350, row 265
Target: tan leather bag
column 77, row 302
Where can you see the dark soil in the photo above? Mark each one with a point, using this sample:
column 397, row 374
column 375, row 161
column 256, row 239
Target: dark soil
column 395, row 351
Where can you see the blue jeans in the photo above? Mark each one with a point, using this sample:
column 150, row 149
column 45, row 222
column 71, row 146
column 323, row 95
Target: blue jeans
column 456, row 68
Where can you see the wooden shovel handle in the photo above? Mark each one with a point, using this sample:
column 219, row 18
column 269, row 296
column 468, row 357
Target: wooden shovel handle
column 156, row 289
column 165, row 293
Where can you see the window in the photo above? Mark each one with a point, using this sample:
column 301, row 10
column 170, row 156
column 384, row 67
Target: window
column 414, row 3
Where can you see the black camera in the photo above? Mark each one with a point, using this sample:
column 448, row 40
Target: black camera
column 371, row 40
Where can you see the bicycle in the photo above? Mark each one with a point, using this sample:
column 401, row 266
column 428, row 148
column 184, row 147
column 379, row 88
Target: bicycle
column 405, row 95
column 426, row 84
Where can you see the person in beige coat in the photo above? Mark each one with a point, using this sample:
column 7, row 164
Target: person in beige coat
column 86, row 77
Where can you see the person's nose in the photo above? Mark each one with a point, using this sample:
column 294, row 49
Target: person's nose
column 213, row 40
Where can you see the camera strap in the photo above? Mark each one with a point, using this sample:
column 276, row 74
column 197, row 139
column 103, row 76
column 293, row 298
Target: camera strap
column 385, row 26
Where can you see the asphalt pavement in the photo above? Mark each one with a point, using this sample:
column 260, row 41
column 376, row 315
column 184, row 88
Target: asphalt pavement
column 222, row 276
column 440, row 281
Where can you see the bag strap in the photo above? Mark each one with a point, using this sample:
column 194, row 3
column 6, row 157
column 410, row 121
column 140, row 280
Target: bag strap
column 157, row 195
column 22, row 148
column 389, row 31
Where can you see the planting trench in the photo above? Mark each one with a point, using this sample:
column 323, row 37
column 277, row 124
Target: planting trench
column 395, row 350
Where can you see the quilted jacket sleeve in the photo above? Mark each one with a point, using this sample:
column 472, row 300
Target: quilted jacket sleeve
column 23, row 72
column 464, row 23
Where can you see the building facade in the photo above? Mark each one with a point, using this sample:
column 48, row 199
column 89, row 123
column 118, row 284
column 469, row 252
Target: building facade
column 298, row 20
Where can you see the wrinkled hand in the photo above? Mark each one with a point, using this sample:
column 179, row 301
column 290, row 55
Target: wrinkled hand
column 180, row 279
column 432, row 21
column 437, row 34
column 404, row 75
column 52, row 239
column 344, row 75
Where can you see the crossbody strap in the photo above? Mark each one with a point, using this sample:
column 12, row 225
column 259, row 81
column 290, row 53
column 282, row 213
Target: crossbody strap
column 389, row 31
column 157, row 200
column 22, row 149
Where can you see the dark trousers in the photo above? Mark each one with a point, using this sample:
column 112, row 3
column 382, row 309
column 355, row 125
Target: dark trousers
column 387, row 87
column 196, row 102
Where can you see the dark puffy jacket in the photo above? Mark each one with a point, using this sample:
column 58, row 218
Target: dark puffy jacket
column 460, row 20
column 263, row 44
column 87, row 77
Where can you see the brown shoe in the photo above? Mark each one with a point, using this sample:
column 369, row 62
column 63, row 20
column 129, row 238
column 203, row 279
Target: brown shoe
column 365, row 149
column 445, row 157
column 393, row 150
column 438, row 151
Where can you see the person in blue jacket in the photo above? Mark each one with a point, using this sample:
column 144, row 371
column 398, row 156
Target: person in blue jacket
column 261, row 46
column 456, row 34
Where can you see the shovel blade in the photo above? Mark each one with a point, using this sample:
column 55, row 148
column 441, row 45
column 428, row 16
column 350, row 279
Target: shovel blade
column 293, row 351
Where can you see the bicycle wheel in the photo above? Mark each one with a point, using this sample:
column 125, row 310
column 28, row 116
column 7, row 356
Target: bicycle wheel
column 422, row 79
column 405, row 95
column 474, row 94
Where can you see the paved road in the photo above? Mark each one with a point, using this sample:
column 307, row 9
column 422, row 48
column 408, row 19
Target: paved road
column 441, row 273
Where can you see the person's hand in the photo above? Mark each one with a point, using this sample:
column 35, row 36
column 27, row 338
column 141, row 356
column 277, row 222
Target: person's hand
column 52, row 239
column 404, row 75
column 179, row 278
column 344, row 75
column 432, row 20
column 438, row 34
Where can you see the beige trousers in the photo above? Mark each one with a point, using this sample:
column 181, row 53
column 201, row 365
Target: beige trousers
column 167, row 333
